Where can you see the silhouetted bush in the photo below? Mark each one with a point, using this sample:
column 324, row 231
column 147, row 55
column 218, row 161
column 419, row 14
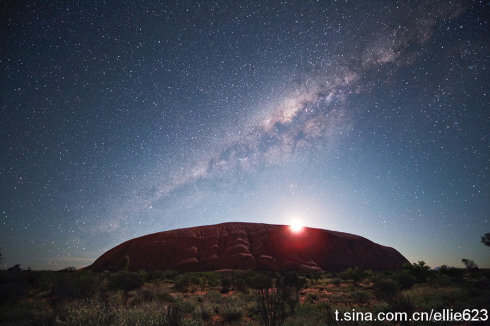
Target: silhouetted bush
column 144, row 296
column 186, row 306
column 187, row 282
column 15, row 268
column 360, row 296
column 336, row 281
column 313, row 276
column 164, row 275
column 225, row 283
column 173, row 315
column 206, row 311
column 419, row 270
column 271, row 306
column 406, row 280
column 290, row 284
column 74, row 285
column 258, row 281
column 182, row 284
column 274, row 303
column 386, row 288
column 126, row 282
column 232, row 310
column 401, row 303
column 354, row 274
column 165, row 297
column 85, row 312
column 69, row 269
column 469, row 264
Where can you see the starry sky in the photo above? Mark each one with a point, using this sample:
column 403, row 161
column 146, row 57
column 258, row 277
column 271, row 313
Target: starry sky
column 119, row 119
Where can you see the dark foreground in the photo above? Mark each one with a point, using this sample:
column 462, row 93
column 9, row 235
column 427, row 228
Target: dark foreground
column 234, row 297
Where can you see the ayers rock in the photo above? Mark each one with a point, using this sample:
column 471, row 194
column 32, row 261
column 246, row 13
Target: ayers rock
column 248, row 246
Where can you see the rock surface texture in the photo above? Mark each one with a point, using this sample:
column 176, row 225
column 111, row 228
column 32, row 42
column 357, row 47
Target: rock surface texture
column 248, row 246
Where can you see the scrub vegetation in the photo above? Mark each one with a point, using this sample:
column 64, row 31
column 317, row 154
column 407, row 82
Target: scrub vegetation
column 72, row 297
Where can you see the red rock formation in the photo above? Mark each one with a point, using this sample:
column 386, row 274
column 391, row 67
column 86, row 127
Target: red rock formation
column 248, row 246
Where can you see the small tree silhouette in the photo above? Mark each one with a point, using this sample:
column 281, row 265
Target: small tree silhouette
column 277, row 298
column 420, row 270
column 486, row 239
column 470, row 264
column 125, row 281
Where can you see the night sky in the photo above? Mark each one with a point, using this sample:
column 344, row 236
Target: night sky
column 123, row 119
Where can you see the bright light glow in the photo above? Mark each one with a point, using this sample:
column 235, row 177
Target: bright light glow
column 296, row 226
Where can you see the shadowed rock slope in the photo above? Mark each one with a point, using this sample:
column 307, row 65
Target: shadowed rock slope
column 248, row 246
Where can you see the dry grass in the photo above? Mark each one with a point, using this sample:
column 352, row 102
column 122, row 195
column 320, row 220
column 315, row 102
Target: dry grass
column 29, row 298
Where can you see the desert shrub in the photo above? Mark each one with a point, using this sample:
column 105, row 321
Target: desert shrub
column 274, row 303
column 144, row 296
column 405, row 280
column 312, row 297
column 210, row 278
column 336, row 281
column 455, row 274
column 225, row 283
column 149, row 314
column 161, row 275
column 232, row 310
column 442, row 281
column 186, row 306
column 85, row 312
column 239, row 283
column 369, row 274
column 401, row 303
column 155, row 276
column 26, row 313
column 386, row 288
column 69, row 269
column 74, row 285
column 213, row 296
column 143, row 275
column 165, row 297
column 206, row 311
column 15, row 269
column 313, row 276
column 259, row 281
column 126, row 282
column 354, row 274
column 419, row 270
column 196, row 280
column 452, row 295
column 311, row 315
column 340, row 297
column 169, row 274
column 290, row 285
column 428, row 297
column 292, row 279
column 173, row 316
column 360, row 296
column 270, row 307
column 182, row 284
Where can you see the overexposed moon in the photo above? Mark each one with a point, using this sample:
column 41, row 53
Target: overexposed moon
column 296, row 225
